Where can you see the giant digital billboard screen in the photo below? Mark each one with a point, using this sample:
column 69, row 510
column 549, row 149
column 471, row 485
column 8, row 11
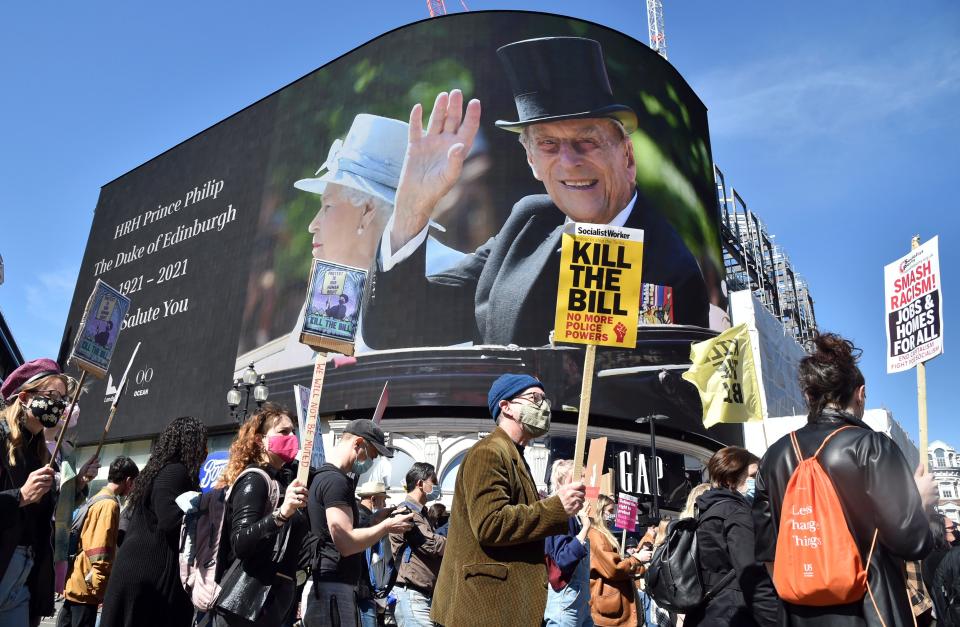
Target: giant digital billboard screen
column 528, row 120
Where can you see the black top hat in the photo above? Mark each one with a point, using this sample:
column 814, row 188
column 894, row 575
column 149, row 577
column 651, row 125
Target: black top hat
column 560, row 78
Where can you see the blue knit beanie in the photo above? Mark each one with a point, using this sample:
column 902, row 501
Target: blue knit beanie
column 506, row 387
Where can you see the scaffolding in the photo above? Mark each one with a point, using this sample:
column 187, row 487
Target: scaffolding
column 439, row 7
column 753, row 261
column 658, row 37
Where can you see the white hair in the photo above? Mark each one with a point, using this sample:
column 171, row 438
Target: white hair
column 358, row 199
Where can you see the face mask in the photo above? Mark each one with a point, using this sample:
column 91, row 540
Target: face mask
column 434, row 494
column 74, row 416
column 47, row 410
column 610, row 520
column 285, row 447
column 360, row 467
column 750, row 489
column 535, row 418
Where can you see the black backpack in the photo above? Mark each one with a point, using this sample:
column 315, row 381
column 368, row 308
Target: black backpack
column 673, row 576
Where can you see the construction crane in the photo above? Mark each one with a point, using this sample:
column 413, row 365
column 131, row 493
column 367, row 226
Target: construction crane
column 439, row 7
column 658, row 38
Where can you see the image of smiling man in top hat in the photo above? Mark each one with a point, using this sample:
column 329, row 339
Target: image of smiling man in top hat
column 577, row 142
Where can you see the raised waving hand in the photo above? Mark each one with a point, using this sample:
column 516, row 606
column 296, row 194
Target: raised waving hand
column 433, row 161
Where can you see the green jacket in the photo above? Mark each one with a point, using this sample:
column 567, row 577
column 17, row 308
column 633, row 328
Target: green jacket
column 493, row 570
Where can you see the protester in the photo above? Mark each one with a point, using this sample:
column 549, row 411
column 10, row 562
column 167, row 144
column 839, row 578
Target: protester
column 71, row 488
column 439, row 518
column 144, row 588
column 90, row 571
column 493, row 570
column 420, row 550
column 689, row 509
column 921, row 603
column 373, row 498
column 871, row 479
column 946, row 581
column 568, row 563
column 613, row 597
column 334, row 519
column 265, row 538
column 36, row 396
column 577, row 142
column 725, row 541
column 945, row 536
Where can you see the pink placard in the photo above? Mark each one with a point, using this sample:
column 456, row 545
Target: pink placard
column 627, row 512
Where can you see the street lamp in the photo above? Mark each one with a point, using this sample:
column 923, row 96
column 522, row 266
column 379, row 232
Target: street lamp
column 254, row 384
column 652, row 462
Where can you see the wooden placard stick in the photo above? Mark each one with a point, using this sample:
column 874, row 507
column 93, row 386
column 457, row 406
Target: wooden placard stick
column 313, row 412
column 66, row 418
column 583, row 415
column 116, row 403
column 921, row 389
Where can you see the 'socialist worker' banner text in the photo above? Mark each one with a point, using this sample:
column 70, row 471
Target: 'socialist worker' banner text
column 598, row 298
column 914, row 307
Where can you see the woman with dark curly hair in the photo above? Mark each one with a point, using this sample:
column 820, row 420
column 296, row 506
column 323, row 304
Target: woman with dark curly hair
column 885, row 504
column 144, row 588
column 264, row 536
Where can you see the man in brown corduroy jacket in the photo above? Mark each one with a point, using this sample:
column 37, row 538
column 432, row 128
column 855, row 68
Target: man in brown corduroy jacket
column 493, row 570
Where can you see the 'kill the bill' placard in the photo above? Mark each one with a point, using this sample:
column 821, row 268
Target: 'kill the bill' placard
column 598, row 298
column 914, row 307
column 332, row 315
column 99, row 329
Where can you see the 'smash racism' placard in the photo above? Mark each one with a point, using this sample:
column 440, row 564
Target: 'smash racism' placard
column 914, row 307
column 598, row 298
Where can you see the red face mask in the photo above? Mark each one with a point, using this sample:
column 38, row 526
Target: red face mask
column 285, row 447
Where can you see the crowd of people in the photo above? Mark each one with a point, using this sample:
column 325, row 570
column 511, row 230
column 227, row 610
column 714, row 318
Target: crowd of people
column 331, row 552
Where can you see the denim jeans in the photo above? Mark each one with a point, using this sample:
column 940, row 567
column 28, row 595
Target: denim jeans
column 368, row 612
column 413, row 608
column 14, row 594
column 570, row 607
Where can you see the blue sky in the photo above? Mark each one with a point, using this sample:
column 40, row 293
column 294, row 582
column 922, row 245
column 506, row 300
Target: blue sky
column 837, row 122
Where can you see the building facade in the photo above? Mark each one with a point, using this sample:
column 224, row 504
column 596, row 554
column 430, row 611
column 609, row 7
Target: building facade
column 945, row 466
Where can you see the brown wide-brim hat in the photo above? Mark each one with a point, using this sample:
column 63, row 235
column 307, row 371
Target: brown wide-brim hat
column 560, row 78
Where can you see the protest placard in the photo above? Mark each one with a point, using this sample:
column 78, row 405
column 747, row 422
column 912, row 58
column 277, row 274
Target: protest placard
column 606, row 484
column 99, row 329
column 913, row 305
column 627, row 507
column 598, row 297
column 598, row 301
column 312, row 421
column 115, row 403
column 594, row 470
column 332, row 315
column 301, row 395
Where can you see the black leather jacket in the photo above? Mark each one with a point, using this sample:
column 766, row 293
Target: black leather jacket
column 877, row 490
column 254, row 536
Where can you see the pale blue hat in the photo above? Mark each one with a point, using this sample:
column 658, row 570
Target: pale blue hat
column 369, row 159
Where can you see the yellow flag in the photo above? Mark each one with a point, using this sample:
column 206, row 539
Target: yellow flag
column 724, row 374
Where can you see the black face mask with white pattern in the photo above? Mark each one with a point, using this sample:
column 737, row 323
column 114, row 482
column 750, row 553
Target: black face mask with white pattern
column 47, row 410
